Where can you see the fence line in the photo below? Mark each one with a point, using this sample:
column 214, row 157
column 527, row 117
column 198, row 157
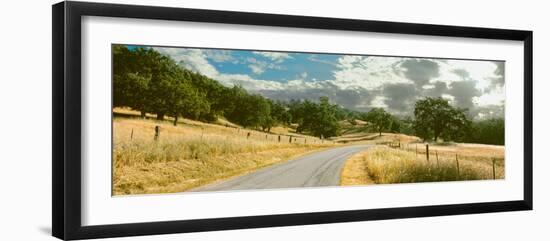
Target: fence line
column 492, row 169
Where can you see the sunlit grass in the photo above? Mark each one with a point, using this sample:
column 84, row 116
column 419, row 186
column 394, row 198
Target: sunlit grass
column 382, row 165
column 192, row 154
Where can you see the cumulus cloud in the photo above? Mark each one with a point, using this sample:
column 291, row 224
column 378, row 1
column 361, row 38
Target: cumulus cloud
column 378, row 101
column 355, row 99
column 314, row 58
column 367, row 72
column 494, row 97
column 400, row 97
column 498, row 79
column 420, row 71
column 277, row 57
column 488, row 112
column 258, row 67
column 435, row 89
column 196, row 60
column 462, row 73
column 192, row 59
column 220, row 56
column 463, row 93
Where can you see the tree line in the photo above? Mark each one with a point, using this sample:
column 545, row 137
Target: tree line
column 147, row 81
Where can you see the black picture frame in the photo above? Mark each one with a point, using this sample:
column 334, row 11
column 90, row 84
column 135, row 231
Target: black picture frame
column 66, row 128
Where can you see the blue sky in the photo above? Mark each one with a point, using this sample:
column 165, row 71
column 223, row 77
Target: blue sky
column 317, row 66
column 358, row 82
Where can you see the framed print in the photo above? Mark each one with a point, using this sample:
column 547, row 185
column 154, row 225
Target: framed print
column 169, row 120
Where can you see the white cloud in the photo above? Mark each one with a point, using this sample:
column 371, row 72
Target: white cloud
column 192, row 59
column 482, row 73
column 378, row 102
column 277, row 57
column 479, row 71
column 196, row 60
column 367, row 72
column 428, row 87
column 258, row 66
column 256, row 69
column 248, row 82
column 301, row 84
column 220, row 56
column 495, row 97
column 448, row 97
column 314, row 59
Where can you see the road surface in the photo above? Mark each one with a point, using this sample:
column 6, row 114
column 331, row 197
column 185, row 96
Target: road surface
column 313, row 170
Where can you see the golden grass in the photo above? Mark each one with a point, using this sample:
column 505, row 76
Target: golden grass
column 375, row 138
column 382, row 165
column 355, row 172
column 192, row 154
column 476, row 152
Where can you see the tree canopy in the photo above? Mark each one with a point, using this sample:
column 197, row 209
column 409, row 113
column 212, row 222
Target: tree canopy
column 145, row 80
column 379, row 118
column 435, row 118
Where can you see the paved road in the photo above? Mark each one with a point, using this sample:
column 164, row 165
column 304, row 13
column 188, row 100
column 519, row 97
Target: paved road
column 313, row 170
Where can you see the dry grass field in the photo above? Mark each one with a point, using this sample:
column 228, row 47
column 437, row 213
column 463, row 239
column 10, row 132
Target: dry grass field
column 408, row 164
column 374, row 138
column 193, row 153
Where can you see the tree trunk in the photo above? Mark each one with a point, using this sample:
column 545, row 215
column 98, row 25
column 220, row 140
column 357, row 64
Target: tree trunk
column 160, row 116
column 175, row 120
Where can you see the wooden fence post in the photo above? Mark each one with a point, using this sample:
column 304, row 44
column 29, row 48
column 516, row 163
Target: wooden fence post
column 247, row 135
column 305, row 140
column 132, row 134
column 427, row 153
column 266, row 136
column 416, row 150
column 157, row 132
column 290, row 139
column 279, row 138
column 494, row 173
column 457, row 167
column 436, row 158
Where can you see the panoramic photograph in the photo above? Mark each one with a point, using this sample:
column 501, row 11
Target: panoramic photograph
column 202, row 120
